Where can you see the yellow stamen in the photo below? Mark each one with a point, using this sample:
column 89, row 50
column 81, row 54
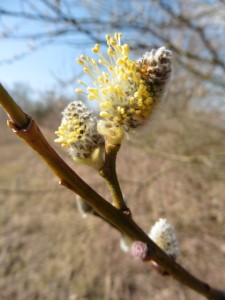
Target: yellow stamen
column 124, row 97
column 110, row 51
column 79, row 61
column 104, row 114
column 96, row 48
column 92, row 90
column 91, row 96
column 79, row 91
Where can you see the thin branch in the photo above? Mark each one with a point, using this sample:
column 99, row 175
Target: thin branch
column 108, row 172
column 154, row 177
column 26, row 129
column 199, row 30
column 14, row 112
column 25, row 53
column 81, row 26
column 184, row 158
column 28, row 192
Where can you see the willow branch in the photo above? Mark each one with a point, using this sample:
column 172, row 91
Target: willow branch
column 108, row 172
column 26, row 128
column 14, row 112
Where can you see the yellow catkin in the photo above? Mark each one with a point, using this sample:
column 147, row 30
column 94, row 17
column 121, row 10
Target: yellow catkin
column 124, row 98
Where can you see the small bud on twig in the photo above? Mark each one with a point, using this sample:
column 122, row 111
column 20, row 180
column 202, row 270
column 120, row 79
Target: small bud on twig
column 140, row 250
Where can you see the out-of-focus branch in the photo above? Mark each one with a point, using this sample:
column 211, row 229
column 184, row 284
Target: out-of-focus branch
column 157, row 29
column 28, row 192
column 207, row 160
column 154, row 177
column 197, row 29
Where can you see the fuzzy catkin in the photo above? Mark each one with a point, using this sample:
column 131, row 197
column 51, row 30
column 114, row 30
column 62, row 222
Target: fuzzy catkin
column 127, row 90
column 155, row 70
column 78, row 131
column 163, row 234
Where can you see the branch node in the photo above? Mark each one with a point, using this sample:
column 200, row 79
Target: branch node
column 64, row 183
column 140, row 250
column 127, row 212
column 16, row 128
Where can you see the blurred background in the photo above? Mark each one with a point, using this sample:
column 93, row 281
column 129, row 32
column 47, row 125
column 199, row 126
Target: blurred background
column 176, row 163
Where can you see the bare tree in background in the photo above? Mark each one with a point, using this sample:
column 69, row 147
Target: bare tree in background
column 193, row 30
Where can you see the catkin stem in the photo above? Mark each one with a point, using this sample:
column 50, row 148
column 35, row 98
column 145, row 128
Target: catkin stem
column 108, row 172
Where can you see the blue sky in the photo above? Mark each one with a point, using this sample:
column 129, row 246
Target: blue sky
column 40, row 67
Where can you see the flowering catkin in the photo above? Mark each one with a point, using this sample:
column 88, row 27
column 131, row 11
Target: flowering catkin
column 78, row 131
column 155, row 69
column 163, row 234
column 126, row 89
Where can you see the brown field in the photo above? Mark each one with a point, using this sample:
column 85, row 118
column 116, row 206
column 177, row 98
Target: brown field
column 47, row 251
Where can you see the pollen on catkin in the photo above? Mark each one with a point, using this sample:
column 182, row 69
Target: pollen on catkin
column 155, row 70
column 78, row 131
column 122, row 86
column 163, row 234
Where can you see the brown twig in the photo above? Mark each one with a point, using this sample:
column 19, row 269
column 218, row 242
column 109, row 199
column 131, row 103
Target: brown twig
column 108, row 172
column 14, row 112
column 26, row 128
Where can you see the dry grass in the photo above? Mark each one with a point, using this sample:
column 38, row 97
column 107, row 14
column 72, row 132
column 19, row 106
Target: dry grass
column 47, row 251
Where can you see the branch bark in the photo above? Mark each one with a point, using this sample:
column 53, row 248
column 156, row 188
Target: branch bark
column 26, row 128
column 108, row 172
